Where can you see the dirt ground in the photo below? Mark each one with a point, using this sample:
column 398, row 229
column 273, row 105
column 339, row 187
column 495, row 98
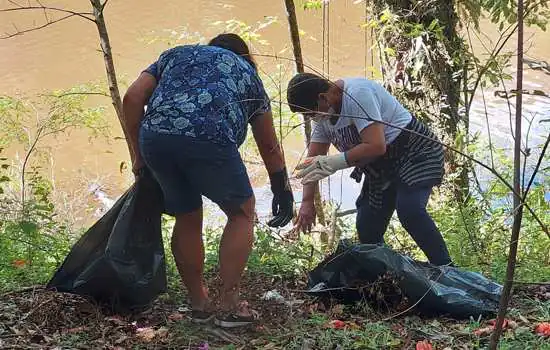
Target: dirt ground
column 36, row 318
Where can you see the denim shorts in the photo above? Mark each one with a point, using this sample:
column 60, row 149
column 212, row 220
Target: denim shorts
column 187, row 168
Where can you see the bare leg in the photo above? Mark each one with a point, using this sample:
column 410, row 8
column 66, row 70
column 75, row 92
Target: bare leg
column 188, row 250
column 235, row 247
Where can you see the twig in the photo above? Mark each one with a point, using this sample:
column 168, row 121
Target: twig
column 532, row 283
column 80, row 93
column 35, row 309
column 44, row 8
column 223, row 335
column 21, row 32
column 104, row 4
column 518, row 199
column 24, row 166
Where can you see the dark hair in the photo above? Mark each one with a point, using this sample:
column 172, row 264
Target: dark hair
column 234, row 43
column 303, row 91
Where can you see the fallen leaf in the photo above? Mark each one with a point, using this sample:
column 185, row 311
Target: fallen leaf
column 176, row 316
column 506, row 324
column 483, row 331
column 337, row 324
column 543, row 329
column 423, row 345
column 146, row 334
column 76, row 330
column 19, row 263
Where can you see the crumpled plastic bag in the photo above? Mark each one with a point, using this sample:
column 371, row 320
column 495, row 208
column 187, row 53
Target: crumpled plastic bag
column 119, row 261
column 438, row 290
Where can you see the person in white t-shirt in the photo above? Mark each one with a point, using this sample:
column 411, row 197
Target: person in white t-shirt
column 400, row 157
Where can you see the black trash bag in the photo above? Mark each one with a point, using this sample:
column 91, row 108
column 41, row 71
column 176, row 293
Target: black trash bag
column 119, row 261
column 438, row 290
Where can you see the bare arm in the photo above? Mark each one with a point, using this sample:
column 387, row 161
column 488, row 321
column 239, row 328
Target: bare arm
column 266, row 139
column 373, row 144
column 282, row 205
column 133, row 104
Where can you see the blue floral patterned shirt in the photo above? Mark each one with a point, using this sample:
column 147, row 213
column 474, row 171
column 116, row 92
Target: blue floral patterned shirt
column 204, row 92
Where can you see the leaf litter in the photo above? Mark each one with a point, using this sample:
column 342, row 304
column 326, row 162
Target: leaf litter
column 41, row 319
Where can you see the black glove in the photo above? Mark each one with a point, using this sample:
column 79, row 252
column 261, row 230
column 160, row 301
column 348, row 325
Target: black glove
column 283, row 201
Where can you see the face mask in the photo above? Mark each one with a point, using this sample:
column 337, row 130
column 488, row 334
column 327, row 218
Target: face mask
column 318, row 117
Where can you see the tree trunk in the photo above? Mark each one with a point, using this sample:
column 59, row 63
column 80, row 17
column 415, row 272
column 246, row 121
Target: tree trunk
column 518, row 207
column 107, row 57
column 433, row 95
column 297, row 49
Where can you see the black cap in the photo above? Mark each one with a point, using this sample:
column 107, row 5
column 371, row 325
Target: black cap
column 303, row 92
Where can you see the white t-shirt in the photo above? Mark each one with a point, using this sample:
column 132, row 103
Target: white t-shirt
column 362, row 102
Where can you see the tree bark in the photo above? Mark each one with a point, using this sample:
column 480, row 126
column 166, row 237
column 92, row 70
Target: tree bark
column 107, row 57
column 518, row 207
column 297, row 50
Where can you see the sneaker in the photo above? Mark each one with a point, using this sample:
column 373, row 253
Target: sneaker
column 231, row 320
column 201, row 317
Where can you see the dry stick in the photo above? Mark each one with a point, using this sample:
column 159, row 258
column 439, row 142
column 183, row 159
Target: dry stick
column 514, row 240
column 21, row 32
column 43, row 8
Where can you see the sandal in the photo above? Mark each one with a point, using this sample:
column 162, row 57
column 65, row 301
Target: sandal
column 232, row 319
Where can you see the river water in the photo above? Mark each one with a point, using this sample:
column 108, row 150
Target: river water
column 66, row 54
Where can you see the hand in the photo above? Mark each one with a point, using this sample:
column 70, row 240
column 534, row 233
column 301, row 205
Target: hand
column 282, row 205
column 316, row 168
column 306, row 217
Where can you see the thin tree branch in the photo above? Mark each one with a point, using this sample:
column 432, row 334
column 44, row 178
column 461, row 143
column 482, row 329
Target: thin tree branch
column 21, row 32
column 80, row 93
column 103, row 6
column 496, row 52
column 45, row 8
column 518, row 200
column 537, row 167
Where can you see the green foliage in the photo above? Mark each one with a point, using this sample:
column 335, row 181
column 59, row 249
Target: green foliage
column 34, row 237
column 478, row 230
column 246, row 31
column 312, row 4
column 504, row 12
column 26, row 121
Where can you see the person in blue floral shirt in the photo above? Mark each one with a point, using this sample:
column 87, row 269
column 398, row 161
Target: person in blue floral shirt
column 199, row 102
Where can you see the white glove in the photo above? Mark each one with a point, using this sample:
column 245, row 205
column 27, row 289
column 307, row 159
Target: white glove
column 316, row 168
